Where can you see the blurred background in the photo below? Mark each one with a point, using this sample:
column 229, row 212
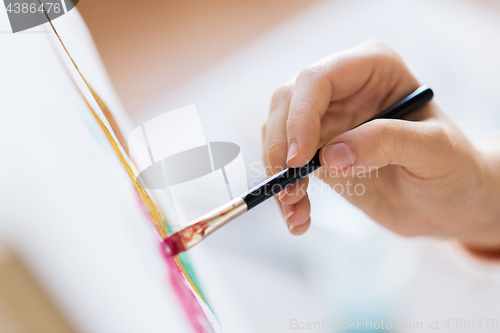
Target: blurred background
column 228, row 57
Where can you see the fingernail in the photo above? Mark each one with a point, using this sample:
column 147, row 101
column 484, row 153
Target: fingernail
column 340, row 155
column 293, row 150
column 288, row 210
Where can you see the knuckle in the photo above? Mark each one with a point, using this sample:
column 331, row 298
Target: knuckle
column 384, row 51
column 310, row 72
column 382, row 46
column 383, row 137
column 297, row 112
column 306, row 110
column 378, row 43
column 282, row 94
column 274, row 150
column 439, row 135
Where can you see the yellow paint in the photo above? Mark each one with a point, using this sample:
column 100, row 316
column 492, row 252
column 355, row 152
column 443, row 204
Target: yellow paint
column 154, row 211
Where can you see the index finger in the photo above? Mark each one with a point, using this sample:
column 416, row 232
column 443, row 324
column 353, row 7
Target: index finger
column 275, row 130
column 332, row 79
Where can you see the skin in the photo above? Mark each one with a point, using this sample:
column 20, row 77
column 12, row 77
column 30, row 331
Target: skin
column 426, row 177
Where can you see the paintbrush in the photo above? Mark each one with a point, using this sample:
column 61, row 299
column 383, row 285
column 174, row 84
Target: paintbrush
column 188, row 237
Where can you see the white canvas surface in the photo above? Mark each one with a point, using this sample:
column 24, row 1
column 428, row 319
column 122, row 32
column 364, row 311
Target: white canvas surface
column 67, row 205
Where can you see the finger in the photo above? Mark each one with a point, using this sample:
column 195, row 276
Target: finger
column 274, row 134
column 335, row 78
column 300, row 229
column 279, row 205
column 423, row 148
column 275, row 142
column 308, row 104
column 294, row 193
column 297, row 214
column 276, row 197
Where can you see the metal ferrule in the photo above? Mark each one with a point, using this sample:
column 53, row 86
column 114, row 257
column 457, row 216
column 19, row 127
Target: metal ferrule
column 210, row 222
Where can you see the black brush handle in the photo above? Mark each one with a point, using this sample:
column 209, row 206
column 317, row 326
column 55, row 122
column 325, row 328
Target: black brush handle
column 287, row 177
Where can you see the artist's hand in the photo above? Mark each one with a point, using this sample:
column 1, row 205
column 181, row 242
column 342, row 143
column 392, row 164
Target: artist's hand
column 426, row 178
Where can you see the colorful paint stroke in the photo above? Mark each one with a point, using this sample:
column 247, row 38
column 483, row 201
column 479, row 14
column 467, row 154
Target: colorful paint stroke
column 181, row 276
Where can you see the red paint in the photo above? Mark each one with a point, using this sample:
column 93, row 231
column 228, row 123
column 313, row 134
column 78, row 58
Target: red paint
column 187, row 234
column 173, row 245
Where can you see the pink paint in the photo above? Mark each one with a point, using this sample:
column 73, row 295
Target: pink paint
column 189, row 303
column 192, row 308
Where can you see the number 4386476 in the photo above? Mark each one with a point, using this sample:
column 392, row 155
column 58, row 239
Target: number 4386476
column 471, row 324
column 32, row 8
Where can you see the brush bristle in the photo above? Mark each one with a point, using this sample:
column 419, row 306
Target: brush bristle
column 173, row 245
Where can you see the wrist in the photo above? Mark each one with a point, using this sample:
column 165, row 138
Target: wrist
column 484, row 237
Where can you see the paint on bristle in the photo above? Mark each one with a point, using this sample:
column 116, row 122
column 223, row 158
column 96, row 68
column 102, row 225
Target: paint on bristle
column 173, row 245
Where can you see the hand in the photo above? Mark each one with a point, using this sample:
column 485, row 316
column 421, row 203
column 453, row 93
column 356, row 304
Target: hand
column 418, row 176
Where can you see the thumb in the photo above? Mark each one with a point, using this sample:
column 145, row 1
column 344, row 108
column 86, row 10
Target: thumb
column 421, row 147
